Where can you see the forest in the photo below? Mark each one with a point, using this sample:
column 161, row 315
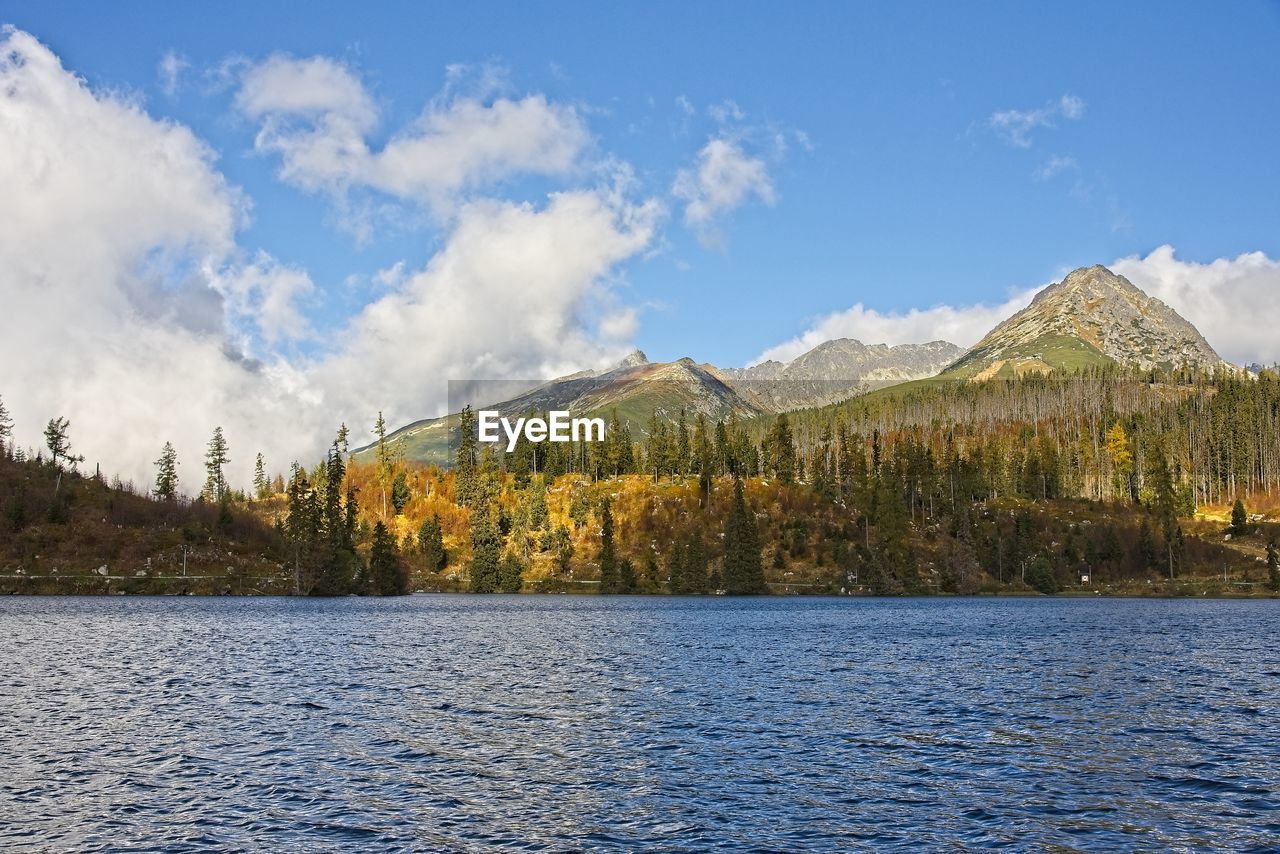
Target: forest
column 1097, row 481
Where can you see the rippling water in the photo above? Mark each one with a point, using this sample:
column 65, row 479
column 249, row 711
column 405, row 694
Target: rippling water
column 592, row 723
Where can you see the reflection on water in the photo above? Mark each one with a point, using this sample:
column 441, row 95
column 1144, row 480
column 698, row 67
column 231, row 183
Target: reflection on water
column 550, row 722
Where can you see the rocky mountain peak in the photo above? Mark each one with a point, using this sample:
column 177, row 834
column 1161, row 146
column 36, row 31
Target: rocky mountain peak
column 1091, row 316
column 634, row 358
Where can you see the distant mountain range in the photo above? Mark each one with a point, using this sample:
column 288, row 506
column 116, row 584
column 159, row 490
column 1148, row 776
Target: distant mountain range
column 1092, row 317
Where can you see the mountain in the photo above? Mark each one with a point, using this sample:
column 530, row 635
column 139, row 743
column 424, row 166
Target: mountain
column 635, row 388
column 1091, row 317
column 836, row 370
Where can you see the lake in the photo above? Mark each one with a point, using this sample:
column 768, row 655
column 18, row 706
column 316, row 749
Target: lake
column 547, row 722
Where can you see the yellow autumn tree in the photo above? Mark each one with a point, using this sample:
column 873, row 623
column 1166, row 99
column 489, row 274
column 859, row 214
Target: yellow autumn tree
column 1117, row 446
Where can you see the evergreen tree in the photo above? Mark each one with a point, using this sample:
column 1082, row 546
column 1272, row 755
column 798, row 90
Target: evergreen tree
column 215, row 461
column 510, row 574
column 561, row 545
column 6, row 427
column 386, row 458
column 384, row 564
column 743, row 570
column 1273, row 566
column 466, row 458
column 400, row 492
column 608, row 560
column 431, row 543
column 57, row 440
column 1145, row 552
column 538, row 514
column 1239, row 519
column 261, row 483
column 486, row 548
column 1040, row 576
column 694, row 571
column 167, row 474
column 780, row 450
column 626, row 576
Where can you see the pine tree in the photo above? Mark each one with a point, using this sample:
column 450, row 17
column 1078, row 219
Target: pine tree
column 626, row 576
column 58, row 442
column 780, row 453
column 431, row 543
column 1145, row 552
column 466, row 458
column 215, row 460
column 167, row 474
column 694, row 571
column 384, row 564
column 386, row 458
column 486, row 548
column 1239, row 519
column 743, row 569
column 261, row 484
column 1273, row 566
column 510, row 574
column 400, row 492
column 6, row 427
column 608, row 560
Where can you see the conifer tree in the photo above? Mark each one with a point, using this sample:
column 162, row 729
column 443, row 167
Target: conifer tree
column 261, row 484
column 466, row 458
column 58, row 441
column 1273, row 566
column 384, row 564
column 385, row 458
column 486, row 548
column 626, row 576
column 743, row 569
column 694, row 571
column 6, row 427
column 510, row 574
column 431, row 543
column 400, row 492
column 608, row 560
column 1145, row 551
column 1239, row 519
column 780, row 453
column 215, row 460
column 167, row 474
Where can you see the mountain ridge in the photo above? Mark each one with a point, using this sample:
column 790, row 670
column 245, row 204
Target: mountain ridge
column 1093, row 317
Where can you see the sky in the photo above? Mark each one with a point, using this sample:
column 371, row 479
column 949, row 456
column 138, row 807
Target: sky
column 279, row 217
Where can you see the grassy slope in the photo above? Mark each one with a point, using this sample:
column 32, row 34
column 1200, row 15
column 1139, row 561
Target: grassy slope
column 139, row 542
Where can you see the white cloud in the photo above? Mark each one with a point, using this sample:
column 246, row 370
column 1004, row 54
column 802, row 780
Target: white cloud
column 723, row 178
column 1016, row 126
column 1232, row 301
column 1056, row 165
column 505, row 267
column 115, row 225
column 316, row 114
column 170, row 70
column 266, row 294
column 726, row 112
column 131, row 308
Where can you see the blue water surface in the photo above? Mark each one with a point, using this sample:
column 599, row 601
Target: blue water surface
column 572, row 723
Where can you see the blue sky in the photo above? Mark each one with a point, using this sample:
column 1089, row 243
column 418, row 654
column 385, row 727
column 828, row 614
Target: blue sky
column 295, row 190
column 907, row 197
